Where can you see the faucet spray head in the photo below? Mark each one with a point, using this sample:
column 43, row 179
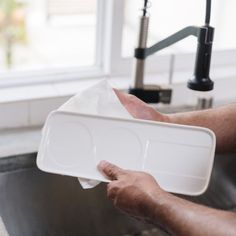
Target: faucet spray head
column 201, row 80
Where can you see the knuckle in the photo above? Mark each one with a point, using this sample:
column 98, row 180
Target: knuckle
column 113, row 172
column 107, row 167
column 112, row 175
column 109, row 170
column 112, row 193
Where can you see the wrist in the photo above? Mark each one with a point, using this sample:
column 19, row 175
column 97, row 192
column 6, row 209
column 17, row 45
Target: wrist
column 174, row 118
column 157, row 116
column 167, row 118
column 156, row 202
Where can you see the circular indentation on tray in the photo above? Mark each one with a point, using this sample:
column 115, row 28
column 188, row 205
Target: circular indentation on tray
column 120, row 146
column 69, row 144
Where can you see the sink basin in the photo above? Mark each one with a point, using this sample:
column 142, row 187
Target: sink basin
column 41, row 204
column 36, row 203
column 221, row 193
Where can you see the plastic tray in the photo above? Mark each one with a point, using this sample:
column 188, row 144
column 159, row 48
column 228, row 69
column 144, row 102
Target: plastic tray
column 179, row 157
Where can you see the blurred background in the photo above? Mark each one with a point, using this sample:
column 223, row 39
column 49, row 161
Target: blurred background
column 49, row 34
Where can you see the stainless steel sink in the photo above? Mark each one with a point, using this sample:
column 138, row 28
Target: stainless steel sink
column 33, row 203
column 221, row 193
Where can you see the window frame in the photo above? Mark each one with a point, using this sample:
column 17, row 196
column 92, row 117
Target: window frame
column 108, row 59
column 183, row 61
column 22, row 78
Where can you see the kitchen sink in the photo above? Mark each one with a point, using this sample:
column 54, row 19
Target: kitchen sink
column 34, row 203
column 221, row 193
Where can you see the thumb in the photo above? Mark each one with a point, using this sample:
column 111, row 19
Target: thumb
column 111, row 171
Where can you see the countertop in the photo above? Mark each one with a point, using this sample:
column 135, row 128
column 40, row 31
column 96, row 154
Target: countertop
column 19, row 141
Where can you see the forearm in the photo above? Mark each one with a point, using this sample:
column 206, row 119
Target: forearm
column 222, row 121
column 184, row 218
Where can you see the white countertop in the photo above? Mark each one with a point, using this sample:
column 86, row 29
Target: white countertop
column 19, row 141
column 26, row 140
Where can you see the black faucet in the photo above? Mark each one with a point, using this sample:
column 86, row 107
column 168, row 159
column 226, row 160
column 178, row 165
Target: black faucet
column 200, row 80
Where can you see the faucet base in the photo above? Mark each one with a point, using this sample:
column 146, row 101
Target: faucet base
column 204, row 85
column 154, row 94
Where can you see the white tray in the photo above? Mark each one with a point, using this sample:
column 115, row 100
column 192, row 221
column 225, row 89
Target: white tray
column 179, row 157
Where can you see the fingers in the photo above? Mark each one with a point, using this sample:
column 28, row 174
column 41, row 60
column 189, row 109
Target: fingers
column 111, row 171
column 112, row 190
column 122, row 96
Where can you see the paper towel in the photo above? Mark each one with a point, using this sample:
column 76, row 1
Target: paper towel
column 99, row 99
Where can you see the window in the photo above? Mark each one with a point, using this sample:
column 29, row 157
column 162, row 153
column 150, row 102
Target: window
column 169, row 16
column 83, row 38
column 47, row 34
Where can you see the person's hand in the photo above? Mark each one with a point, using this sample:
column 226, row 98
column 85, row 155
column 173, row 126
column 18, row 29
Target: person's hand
column 132, row 192
column 139, row 109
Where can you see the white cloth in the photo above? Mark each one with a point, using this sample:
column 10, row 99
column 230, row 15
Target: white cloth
column 99, row 99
